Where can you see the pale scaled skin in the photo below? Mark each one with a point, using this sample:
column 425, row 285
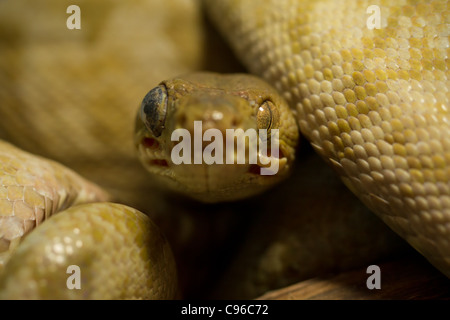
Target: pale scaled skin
column 373, row 103
column 31, row 190
column 319, row 228
column 91, row 79
column 221, row 102
column 138, row 264
column 120, row 253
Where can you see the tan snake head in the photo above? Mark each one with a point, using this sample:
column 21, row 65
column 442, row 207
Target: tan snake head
column 199, row 102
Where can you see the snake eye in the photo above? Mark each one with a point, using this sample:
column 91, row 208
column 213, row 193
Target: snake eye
column 264, row 116
column 153, row 110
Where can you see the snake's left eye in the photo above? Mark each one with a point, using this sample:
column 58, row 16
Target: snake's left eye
column 264, row 116
column 153, row 110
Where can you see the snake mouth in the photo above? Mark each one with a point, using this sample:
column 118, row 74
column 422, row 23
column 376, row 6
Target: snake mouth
column 254, row 169
column 152, row 156
column 279, row 158
column 158, row 162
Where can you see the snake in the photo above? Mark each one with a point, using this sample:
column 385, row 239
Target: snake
column 373, row 103
column 221, row 102
column 33, row 189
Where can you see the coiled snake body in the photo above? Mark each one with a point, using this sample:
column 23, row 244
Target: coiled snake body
column 373, row 103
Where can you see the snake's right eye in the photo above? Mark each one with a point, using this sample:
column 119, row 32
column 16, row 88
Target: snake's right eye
column 153, row 110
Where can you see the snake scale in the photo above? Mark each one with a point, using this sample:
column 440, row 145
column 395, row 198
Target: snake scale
column 373, row 103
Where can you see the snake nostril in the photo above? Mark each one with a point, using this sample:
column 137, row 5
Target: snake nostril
column 150, row 143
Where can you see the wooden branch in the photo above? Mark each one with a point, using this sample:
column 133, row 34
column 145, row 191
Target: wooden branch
column 407, row 278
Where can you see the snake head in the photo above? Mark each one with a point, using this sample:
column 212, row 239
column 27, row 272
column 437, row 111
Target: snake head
column 216, row 137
